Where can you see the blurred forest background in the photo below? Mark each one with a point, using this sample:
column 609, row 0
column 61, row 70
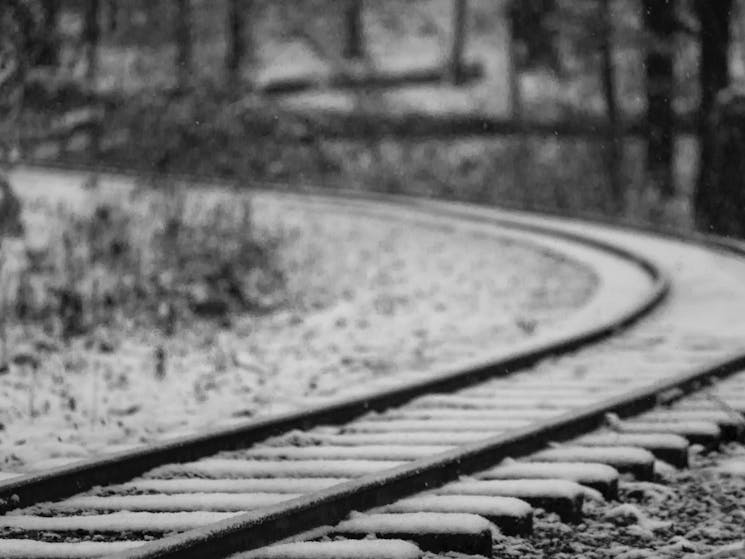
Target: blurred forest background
column 621, row 108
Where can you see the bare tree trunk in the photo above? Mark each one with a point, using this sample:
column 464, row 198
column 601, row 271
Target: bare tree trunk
column 49, row 49
column 460, row 23
column 354, row 45
column 614, row 154
column 236, row 48
column 112, row 15
column 519, row 177
column 709, row 199
column 184, row 50
column 91, row 38
column 659, row 20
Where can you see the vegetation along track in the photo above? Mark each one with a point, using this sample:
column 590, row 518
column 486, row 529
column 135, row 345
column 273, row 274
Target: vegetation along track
column 307, row 469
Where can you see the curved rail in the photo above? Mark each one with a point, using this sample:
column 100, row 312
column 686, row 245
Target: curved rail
column 68, row 480
column 259, row 528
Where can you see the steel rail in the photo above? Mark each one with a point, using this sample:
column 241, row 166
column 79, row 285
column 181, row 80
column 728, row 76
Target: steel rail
column 75, row 478
column 256, row 529
column 271, row 524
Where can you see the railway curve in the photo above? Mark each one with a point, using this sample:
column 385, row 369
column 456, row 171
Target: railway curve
column 686, row 337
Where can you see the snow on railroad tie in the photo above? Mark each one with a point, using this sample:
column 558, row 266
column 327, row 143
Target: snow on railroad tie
column 201, row 485
column 532, row 401
column 541, row 388
column 730, row 424
column 601, row 477
column 669, row 448
column 226, row 468
column 394, row 426
column 546, row 390
column 330, row 452
column 435, row 532
column 512, row 516
column 705, row 433
column 704, row 402
column 30, row 549
column 350, row 549
column 554, row 495
column 115, row 522
column 632, row 460
column 458, row 402
column 459, row 414
column 215, row 502
column 417, row 438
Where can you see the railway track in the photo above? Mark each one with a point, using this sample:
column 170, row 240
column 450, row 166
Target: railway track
column 401, row 454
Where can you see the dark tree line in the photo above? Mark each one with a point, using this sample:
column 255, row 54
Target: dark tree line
column 719, row 197
column 718, row 191
column 535, row 24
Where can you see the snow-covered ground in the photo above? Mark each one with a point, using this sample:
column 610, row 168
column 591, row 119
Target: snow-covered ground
column 372, row 298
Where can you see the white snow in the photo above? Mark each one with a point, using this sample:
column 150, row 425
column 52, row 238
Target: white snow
column 197, row 485
column 352, row 549
column 487, row 507
column 704, row 428
column 459, row 401
column 720, row 417
column 214, row 502
column 700, row 324
column 521, row 489
column 459, row 414
column 494, row 426
column 729, row 551
column 732, row 467
column 573, row 471
column 607, row 455
column 514, row 388
column 221, row 468
column 643, row 440
column 330, row 452
column 115, row 521
column 490, row 399
column 403, row 438
column 29, row 549
column 377, row 297
column 652, row 491
column 628, row 513
column 415, row 523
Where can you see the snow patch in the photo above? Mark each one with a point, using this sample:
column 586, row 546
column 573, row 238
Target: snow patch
column 215, row 502
column 352, row 549
column 225, row 468
column 29, row 549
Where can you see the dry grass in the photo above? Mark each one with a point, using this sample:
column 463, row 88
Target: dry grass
column 152, row 258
